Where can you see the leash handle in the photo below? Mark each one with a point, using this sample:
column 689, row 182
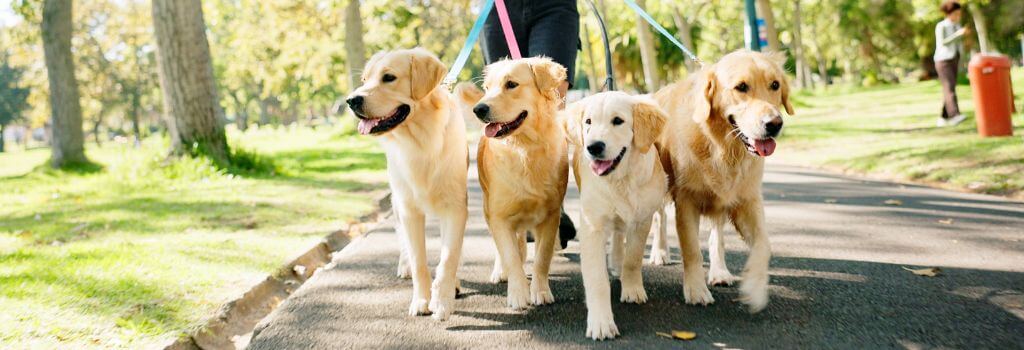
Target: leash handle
column 467, row 47
column 506, row 27
column 647, row 17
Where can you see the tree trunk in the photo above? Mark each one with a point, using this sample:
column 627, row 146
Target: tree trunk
column 65, row 109
column 980, row 26
column 765, row 9
column 354, row 50
column 264, row 112
column 2, row 127
column 186, row 79
column 136, row 106
column 592, row 67
column 647, row 54
column 798, row 47
column 96, row 128
column 685, row 36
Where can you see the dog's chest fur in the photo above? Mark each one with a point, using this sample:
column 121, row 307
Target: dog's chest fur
column 523, row 183
column 631, row 198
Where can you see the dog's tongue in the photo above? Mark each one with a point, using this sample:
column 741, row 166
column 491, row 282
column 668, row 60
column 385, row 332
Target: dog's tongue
column 764, row 147
column 366, row 125
column 492, row 129
column 600, row 167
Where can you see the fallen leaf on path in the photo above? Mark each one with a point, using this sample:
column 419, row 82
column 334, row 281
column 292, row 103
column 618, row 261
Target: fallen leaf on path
column 928, row 272
column 893, row 202
column 946, row 221
column 684, row 335
column 663, row 334
column 831, row 200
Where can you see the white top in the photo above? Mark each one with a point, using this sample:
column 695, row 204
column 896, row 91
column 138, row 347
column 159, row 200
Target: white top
column 948, row 40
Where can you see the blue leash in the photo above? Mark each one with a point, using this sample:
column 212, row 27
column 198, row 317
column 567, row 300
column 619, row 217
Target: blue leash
column 662, row 30
column 467, row 48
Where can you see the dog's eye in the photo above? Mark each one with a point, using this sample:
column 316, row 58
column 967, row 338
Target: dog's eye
column 775, row 85
column 742, row 87
column 511, row 85
column 587, row 121
column 387, row 78
column 617, row 121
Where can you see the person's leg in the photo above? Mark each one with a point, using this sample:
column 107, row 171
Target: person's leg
column 554, row 32
column 947, row 77
column 493, row 39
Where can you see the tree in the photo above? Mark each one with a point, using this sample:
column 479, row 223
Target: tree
column 647, row 52
column 355, row 52
column 765, row 8
column 802, row 78
column 13, row 97
column 186, row 79
column 66, row 110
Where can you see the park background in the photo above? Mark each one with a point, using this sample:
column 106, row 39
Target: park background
column 139, row 238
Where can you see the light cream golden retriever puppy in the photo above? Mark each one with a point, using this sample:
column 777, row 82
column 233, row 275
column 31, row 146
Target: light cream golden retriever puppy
column 424, row 137
column 523, row 167
column 622, row 184
column 722, row 123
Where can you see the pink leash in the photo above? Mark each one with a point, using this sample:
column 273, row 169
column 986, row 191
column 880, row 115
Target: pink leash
column 506, row 27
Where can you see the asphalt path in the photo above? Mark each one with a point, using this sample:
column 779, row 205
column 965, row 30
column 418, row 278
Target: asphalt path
column 837, row 281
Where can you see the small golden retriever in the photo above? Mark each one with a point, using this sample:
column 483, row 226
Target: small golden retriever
column 424, row 137
column 621, row 187
column 722, row 123
column 523, row 167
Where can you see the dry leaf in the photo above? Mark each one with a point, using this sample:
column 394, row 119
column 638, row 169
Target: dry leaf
column 893, row 202
column 946, row 221
column 928, row 272
column 831, row 200
column 663, row 334
column 684, row 335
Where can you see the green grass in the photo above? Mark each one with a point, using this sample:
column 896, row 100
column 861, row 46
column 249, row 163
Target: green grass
column 890, row 132
column 132, row 254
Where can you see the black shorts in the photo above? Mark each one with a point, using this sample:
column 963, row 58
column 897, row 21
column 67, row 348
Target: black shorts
column 542, row 27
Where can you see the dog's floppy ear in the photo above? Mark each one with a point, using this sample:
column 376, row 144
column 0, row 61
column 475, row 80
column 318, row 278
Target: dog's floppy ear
column 548, row 76
column 426, row 72
column 468, row 93
column 704, row 96
column 648, row 122
column 785, row 97
column 572, row 119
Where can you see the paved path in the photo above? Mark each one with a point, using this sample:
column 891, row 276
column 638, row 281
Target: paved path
column 837, row 282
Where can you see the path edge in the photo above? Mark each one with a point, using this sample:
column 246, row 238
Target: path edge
column 238, row 317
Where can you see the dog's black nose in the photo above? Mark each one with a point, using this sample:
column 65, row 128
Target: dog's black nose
column 596, row 149
column 356, row 103
column 773, row 127
column 481, row 111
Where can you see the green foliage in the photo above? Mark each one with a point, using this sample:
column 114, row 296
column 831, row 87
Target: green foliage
column 13, row 97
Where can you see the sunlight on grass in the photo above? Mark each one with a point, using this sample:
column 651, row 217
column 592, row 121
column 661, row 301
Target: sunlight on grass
column 890, row 131
column 144, row 249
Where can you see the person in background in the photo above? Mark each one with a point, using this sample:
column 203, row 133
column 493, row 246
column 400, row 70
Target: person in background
column 949, row 37
column 548, row 28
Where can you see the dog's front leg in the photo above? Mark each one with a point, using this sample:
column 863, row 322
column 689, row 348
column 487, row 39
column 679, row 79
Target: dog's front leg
column 633, row 258
column 403, row 272
column 544, row 250
column 659, row 247
column 695, row 291
column 512, row 263
column 412, row 220
column 453, row 228
column 718, row 273
column 600, row 320
column 749, row 221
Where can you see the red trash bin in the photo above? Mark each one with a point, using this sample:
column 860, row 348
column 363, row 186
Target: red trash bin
column 993, row 94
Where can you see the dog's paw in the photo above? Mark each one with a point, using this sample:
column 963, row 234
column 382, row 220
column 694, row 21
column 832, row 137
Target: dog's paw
column 633, row 294
column 721, row 277
column 518, row 296
column 659, row 257
column 541, row 295
column 498, row 275
column 441, row 307
column 404, row 271
column 754, row 292
column 601, row 327
column 696, row 292
column 419, row 307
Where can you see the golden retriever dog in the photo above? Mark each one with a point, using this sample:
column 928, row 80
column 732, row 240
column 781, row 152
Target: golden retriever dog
column 622, row 184
column 722, row 123
column 424, row 138
column 523, row 167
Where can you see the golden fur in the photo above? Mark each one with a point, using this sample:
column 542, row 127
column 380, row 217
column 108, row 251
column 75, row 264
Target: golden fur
column 712, row 172
column 427, row 160
column 523, row 174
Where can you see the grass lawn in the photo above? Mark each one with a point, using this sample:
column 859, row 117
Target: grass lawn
column 132, row 255
column 890, row 132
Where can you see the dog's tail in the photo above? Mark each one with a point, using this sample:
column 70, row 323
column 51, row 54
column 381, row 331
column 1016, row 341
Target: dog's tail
column 466, row 96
